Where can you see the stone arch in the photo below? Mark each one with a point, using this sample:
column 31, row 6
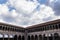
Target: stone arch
column 51, row 37
column 19, row 37
column 1, row 36
column 36, row 37
column 44, row 37
column 56, row 36
column 28, row 38
column 6, row 36
column 32, row 37
column 23, row 38
column 40, row 37
column 15, row 37
column 11, row 37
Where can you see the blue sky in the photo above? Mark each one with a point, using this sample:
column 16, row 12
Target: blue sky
column 42, row 1
column 3, row 1
column 29, row 12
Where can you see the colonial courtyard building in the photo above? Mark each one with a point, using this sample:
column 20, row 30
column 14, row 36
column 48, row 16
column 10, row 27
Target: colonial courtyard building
column 45, row 31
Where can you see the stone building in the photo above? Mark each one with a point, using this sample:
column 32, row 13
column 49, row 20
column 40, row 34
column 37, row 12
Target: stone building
column 44, row 31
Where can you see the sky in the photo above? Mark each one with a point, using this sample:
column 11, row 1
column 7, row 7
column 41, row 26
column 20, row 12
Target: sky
column 25, row 13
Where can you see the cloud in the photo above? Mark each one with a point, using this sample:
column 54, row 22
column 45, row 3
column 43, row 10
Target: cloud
column 27, row 12
column 23, row 5
column 45, row 12
column 56, row 8
column 55, row 5
column 3, row 9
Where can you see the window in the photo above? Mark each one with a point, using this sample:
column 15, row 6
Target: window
column 0, row 27
column 59, row 26
column 47, row 27
column 50, row 27
column 40, row 29
column 8, row 28
column 53, row 26
column 43, row 28
column 56, row 25
column 3, row 28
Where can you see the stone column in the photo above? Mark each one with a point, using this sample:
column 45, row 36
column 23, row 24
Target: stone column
column 23, row 38
column 17, row 37
column 30, row 38
column 38, row 37
column 25, row 34
column 8, row 37
column 3, row 36
column 47, row 38
column 53, row 37
column 42, row 37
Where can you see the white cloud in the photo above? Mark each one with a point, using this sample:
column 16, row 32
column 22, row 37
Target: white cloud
column 23, row 5
column 2, row 20
column 45, row 12
column 3, row 9
column 24, row 14
column 51, row 0
column 14, row 13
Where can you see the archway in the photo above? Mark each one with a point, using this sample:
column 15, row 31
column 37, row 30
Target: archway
column 56, row 36
column 15, row 37
column 40, row 37
column 44, row 37
column 1, row 36
column 51, row 37
column 11, row 37
column 6, row 36
column 36, row 37
column 19, row 38
column 32, row 37
column 23, row 38
column 28, row 38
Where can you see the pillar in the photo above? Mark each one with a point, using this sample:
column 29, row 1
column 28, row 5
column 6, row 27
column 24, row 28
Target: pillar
column 44, row 37
column 23, row 38
column 8, row 37
column 32, row 37
column 40, row 37
column 36, row 37
column 28, row 38
column 3, row 36
column 47, row 37
column 51, row 37
column 19, row 37
column 15, row 37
